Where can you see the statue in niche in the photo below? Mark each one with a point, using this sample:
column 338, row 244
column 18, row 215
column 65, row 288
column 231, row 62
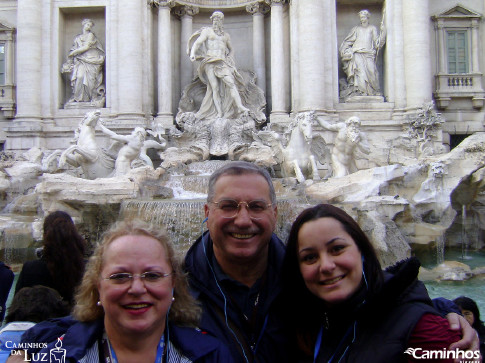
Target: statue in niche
column 358, row 52
column 220, row 98
column 134, row 146
column 349, row 139
column 86, row 153
column 85, row 63
column 298, row 149
column 217, row 70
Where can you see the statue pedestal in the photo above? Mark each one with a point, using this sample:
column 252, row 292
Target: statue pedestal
column 368, row 108
column 364, row 99
column 84, row 105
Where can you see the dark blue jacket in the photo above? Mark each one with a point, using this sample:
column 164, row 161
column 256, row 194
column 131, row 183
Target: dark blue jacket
column 79, row 337
column 271, row 341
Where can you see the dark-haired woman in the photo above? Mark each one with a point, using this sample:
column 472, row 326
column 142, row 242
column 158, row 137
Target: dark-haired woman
column 344, row 307
column 62, row 263
column 469, row 309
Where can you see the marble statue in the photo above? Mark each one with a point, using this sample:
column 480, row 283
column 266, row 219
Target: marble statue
column 86, row 153
column 432, row 188
column 358, row 52
column 349, row 139
column 220, row 104
column 85, row 63
column 134, row 146
column 298, row 149
column 423, row 127
column 213, row 48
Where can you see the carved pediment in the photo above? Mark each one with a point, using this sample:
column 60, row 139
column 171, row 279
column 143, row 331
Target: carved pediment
column 4, row 28
column 458, row 11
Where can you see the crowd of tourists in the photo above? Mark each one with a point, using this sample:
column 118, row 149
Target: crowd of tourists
column 240, row 295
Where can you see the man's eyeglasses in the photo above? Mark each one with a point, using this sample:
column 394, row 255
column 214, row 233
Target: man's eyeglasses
column 148, row 278
column 229, row 208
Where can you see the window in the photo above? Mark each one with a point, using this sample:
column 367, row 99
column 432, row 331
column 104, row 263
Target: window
column 457, row 46
column 458, row 53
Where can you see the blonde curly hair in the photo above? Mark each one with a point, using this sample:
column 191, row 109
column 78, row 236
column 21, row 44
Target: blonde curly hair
column 184, row 310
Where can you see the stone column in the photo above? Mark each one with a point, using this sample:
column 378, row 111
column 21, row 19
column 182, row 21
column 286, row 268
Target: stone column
column 278, row 85
column 164, row 117
column 417, row 63
column 130, row 59
column 330, row 63
column 441, row 47
column 9, row 61
column 29, row 52
column 395, row 54
column 475, row 47
column 312, row 29
column 186, row 14
column 259, row 60
column 295, row 57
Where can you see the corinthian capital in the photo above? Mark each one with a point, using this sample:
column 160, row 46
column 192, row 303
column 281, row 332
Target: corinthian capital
column 257, row 7
column 186, row 10
column 161, row 3
column 276, row 2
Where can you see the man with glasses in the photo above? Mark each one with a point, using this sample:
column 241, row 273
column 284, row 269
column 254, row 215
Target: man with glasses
column 234, row 266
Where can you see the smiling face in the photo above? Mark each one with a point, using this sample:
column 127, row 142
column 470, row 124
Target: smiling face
column 329, row 259
column 240, row 239
column 136, row 309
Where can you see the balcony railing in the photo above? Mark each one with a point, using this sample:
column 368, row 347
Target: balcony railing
column 7, row 100
column 449, row 86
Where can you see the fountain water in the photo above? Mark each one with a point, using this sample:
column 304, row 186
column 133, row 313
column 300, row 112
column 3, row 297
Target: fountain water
column 464, row 237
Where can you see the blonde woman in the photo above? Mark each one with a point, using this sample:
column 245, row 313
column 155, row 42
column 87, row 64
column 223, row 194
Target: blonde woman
column 133, row 305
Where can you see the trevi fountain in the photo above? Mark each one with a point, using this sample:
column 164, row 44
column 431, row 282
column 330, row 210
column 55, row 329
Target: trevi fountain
column 365, row 122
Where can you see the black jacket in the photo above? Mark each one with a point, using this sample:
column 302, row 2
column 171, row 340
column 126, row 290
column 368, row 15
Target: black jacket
column 378, row 329
column 270, row 343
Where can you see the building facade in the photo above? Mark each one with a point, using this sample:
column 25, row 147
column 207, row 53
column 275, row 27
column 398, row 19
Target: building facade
column 434, row 51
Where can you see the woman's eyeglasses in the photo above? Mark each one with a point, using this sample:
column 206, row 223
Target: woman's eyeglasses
column 126, row 278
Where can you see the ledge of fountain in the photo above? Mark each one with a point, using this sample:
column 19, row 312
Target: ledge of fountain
column 447, row 271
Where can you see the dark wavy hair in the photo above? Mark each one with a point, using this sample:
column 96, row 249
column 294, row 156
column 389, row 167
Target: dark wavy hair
column 36, row 304
column 465, row 303
column 64, row 250
column 305, row 306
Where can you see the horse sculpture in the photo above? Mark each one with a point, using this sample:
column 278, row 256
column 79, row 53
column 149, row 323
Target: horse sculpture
column 86, row 153
column 298, row 149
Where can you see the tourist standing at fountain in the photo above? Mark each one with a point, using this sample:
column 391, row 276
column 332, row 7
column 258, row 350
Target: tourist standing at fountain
column 345, row 308
column 469, row 309
column 6, row 280
column 133, row 305
column 234, row 268
column 61, row 265
column 217, row 71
